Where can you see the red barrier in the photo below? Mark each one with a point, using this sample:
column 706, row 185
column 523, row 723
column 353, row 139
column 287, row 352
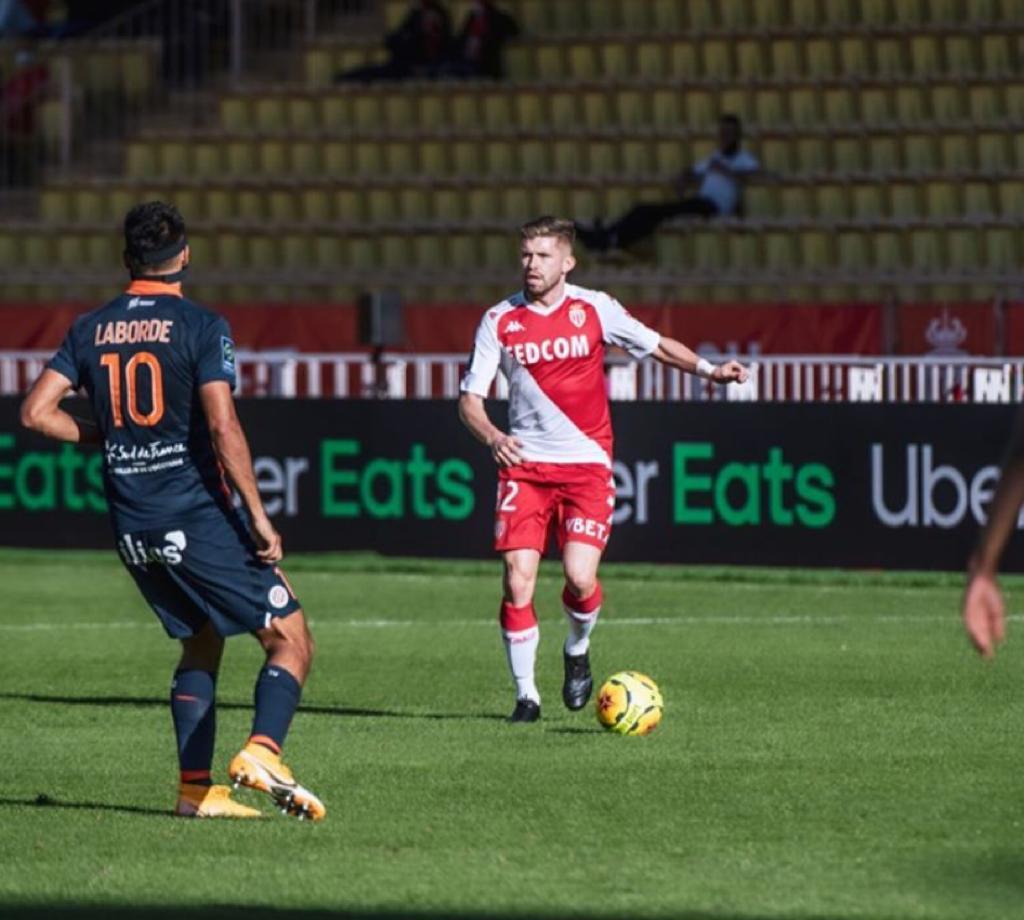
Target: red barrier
column 745, row 329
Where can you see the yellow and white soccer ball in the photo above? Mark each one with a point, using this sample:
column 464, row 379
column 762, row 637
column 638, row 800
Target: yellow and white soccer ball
column 629, row 703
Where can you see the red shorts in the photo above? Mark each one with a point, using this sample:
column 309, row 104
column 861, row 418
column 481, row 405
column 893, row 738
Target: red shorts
column 576, row 500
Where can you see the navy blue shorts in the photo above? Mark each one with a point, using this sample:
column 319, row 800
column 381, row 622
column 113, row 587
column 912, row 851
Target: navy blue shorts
column 206, row 571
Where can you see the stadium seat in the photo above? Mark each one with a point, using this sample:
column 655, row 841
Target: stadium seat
column 884, row 154
column 867, row 202
column 1014, row 104
column 1002, row 250
column 875, row 13
column 249, row 206
column 548, row 63
column 717, row 60
column 616, row 60
column 583, row 61
column 822, row 63
column 699, row 109
column 911, row 106
column 905, row 200
column 602, row 158
column 750, row 63
column 432, row 111
column 584, row 204
column 832, row 201
column 804, row 14
column 840, row 106
column 770, row 108
column 335, row 113
column 651, row 57
column 501, row 159
column 533, row 160
column 874, row 106
column 777, row 155
column 848, row 154
column 962, row 250
column 924, row 56
column 961, row 60
column 738, row 101
column 667, row 15
column 629, row 107
column 888, row 252
column 853, row 57
column 889, row 58
column 942, row 200
column 805, row 108
column 709, row 251
column 786, row 59
column 1010, row 197
column 926, row 253
column 919, row 153
column 977, row 197
column 947, row 103
column 993, row 152
column 683, row 60
column 567, row 158
column 780, row 252
column 515, row 203
column 497, row 110
column 666, row 108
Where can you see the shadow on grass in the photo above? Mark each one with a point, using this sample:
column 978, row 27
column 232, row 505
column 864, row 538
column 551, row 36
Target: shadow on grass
column 576, row 730
column 44, row 801
column 237, row 912
column 351, row 711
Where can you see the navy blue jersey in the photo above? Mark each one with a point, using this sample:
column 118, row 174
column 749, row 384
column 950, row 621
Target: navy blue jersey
column 142, row 359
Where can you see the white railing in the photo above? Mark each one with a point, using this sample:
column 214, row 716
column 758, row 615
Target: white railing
column 775, row 378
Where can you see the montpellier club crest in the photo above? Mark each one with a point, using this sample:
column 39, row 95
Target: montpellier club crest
column 578, row 316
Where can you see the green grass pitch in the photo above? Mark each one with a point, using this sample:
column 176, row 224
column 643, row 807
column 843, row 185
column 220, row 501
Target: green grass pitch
column 830, row 749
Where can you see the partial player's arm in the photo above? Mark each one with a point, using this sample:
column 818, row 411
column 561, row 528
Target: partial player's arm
column 232, row 451
column 676, row 354
column 473, row 414
column 984, row 613
column 41, row 411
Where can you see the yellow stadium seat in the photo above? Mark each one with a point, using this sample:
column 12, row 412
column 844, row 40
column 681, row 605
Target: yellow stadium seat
column 618, row 199
column 984, row 104
column 597, row 109
column 562, row 110
column 602, row 158
column 497, row 110
column 249, row 205
column 335, row 112
column 699, row 109
column 583, row 61
column 206, row 159
column 234, row 114
column 683, row 60
column 1013, row 94
column 271, row 115
column 744, row 253
column 671, row 157
column 884, row 154
column 434, row 158
column 297, row 251
column 822, row 60
column 805, row 107
column 666, row 108
column 926, row 253
column 709, row 250
column 874, row 106
column 601, row 15
column 616, row 60
column 750, row 60
column 315, row 204
column 533, row 160
column 786, row 59
column 501, row 158
column 947, row 102
column 779, row 252
column 399, row 158
column 467, row 158
column 668, row 15
column 381, row 204
column 568, row 16
column 515, row 203
column 839, row 105
column 769, row 16
column 367, row 157
column 548, row 64
column 978, row 199
column 432, row 110
column 567, row 158
column 910, row 13
column 875, row 12
column 777, row 155
column 550, row 199
column 717, row 58
column 737, row 101
column 396, row 251
column 735, row 15
column 960, row 55
column 651, row 57
column 942, row 200
column 815, row 250
column 638, row 17
column 319, row 67
column 1010, row 197
column 848, row 154
column 1018, row 151
column 337, row 158
column 803, row 13
column 993, row 152
column 140, row 160
column 55, row 205
column 956, row 153
column 1001, row 250
column 529, row 109
column 636, row 158
column 924, row 56
column 996, row 56
column 583, row 204
column 919, row 153
column 832, row 201
column 519, row 62
column 302, row 115
column 219, row 204
column 449, row 204
column 962, row 250
column 463, row 109
column 851, row 252
column 796, row 201
column 867, row 202
column 889, row 58
column 812, row 154
column 769, row 108
column 854, row 58
column 175, row 159
column 761, row 201
column 910, row 105
column 887, row 252
column 701, row 14
column 905, row 200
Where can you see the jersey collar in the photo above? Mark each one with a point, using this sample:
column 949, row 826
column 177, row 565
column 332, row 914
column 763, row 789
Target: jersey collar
column 154, row 288
column 545, row 311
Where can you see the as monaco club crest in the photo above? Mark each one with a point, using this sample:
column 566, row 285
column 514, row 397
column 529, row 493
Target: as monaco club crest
column 578, row 316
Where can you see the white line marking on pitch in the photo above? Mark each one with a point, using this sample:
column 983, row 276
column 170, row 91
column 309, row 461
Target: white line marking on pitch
column 779, row 620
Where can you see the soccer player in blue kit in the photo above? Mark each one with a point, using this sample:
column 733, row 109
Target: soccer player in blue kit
column 159, row 372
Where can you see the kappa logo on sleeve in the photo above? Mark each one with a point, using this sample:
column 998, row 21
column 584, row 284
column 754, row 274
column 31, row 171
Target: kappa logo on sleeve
column 227, row 354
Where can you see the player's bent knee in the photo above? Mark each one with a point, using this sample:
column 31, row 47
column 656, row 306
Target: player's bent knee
column 581, row 583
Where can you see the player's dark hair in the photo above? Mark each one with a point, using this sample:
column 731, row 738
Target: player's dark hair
column 549, row 226
column 729, row 118
column 154, row 233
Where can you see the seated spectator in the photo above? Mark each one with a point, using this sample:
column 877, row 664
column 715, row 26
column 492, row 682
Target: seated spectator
column 419, row 48
column 16, row 20
column 480, row 46
column 721, row 176
column 20, row 94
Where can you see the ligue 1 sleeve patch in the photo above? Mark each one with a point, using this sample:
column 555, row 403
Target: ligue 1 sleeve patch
column 227, row 355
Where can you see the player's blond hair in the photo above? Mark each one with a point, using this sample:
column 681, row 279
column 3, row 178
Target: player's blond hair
column 559, row 227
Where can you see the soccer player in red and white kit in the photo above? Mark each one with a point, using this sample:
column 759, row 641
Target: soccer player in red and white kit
column 555, row 461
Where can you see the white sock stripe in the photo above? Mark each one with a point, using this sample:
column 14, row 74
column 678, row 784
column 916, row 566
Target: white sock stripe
column 579, row 616
column 522, row 635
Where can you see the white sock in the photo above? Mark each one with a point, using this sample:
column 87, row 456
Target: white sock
column 521, row 648
column 581, row 625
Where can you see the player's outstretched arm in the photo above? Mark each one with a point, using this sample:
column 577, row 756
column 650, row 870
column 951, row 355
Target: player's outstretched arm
column 504, row 448
column 984, row 613
column 232, row 451
column 676, row 354
column 41, row 411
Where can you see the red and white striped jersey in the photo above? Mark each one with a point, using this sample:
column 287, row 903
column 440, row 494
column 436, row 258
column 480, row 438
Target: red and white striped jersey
column 553, row 358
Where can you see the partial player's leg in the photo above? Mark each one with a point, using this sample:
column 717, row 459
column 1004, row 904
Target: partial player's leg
column 289, row 647
column 519, row 630
column 585, row 524
column 581, row 601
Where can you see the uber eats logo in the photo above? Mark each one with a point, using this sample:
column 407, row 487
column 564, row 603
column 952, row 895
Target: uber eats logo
column 769, row 491
column 418, row 486
column 61, row 477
